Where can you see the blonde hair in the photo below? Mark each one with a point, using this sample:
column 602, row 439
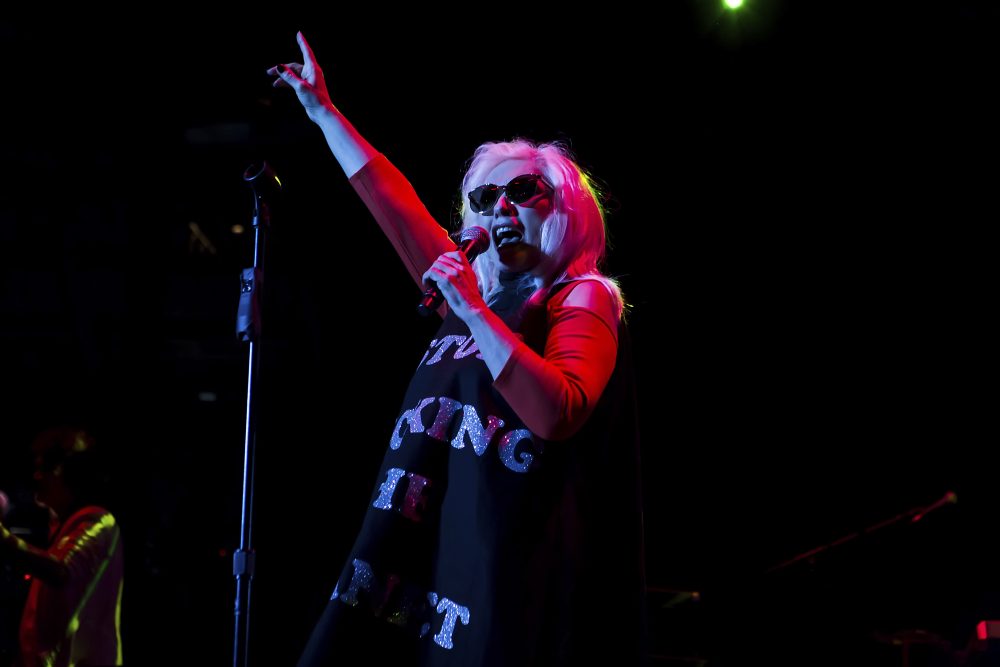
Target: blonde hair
column 573, row 238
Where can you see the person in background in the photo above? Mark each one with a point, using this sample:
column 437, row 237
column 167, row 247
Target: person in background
column 505, row 524
column 72, row 615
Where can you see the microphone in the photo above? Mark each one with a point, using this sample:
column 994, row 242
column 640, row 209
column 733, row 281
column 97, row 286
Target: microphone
column 473, row 241
column 261, row 177
column 264, row 182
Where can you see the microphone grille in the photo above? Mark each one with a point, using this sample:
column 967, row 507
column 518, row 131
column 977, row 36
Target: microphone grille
column 477, row 235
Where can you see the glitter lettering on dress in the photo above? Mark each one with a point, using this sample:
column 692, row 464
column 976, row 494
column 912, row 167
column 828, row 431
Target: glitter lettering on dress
column 415, row 498
column 412, row 417
column 452, row 612
column 517, row 449
column 508, row 450
column 391, row 583
column 360, row 580
column 388, row 487
column 467, row 348
column 429, row 348
column 479, row 436
column 414, row 501
column 443, row 345
column 432, row 597
column 410, row 608
column 449, row 406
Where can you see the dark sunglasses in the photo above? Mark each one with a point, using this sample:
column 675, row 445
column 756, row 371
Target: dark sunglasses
column 519, row 190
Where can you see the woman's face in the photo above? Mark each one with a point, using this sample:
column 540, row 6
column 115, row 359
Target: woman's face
column 515, row 219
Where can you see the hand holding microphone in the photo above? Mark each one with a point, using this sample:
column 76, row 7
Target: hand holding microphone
column 472, row 242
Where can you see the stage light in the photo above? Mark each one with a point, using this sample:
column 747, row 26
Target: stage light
column 732, row 4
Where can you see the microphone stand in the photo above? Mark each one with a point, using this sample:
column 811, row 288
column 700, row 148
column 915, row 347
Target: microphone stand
column 263, row 181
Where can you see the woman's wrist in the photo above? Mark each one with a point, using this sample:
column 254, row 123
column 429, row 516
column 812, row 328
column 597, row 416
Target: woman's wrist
column 325, row 113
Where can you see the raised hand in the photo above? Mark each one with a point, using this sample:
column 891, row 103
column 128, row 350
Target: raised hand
column 305, row 78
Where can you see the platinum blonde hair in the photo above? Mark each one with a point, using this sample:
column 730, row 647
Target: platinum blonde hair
column 573, row 238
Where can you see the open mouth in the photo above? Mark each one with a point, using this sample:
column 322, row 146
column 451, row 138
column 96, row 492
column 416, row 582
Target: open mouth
column 506, row 234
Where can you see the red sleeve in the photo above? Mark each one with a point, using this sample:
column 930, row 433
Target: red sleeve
column 555, row 393
column 413, row 232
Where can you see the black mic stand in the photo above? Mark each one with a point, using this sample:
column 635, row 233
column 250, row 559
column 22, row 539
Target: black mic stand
column 263, row 180
column 914, row 514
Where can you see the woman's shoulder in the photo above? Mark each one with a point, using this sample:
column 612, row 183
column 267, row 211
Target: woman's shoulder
column 592, row 293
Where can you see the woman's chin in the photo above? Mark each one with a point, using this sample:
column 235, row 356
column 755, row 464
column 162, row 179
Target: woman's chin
column 518, row 257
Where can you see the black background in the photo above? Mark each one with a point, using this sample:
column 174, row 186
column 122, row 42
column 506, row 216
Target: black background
column 799, row 200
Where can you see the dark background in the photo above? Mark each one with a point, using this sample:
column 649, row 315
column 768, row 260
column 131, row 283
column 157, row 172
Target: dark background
column 799, row 197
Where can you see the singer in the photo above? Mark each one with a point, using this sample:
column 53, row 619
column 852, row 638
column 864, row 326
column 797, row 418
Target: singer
column 504, row 527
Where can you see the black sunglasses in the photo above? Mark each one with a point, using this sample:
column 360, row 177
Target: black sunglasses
column 519, row 190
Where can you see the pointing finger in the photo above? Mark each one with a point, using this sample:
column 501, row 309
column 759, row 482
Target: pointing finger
column 307, row 54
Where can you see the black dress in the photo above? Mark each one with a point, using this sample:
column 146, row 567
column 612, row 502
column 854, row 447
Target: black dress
column 484, row 544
